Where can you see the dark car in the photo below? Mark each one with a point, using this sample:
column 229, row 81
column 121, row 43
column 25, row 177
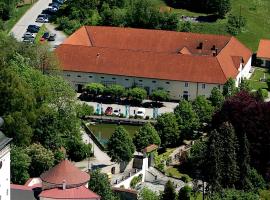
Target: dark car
column 46, row 35
column 52, row 37
column 109, row 111
column 58, row 1
column 33, row 28
column 55, row 5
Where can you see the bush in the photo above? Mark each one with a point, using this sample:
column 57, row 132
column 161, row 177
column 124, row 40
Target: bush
column 185, row 178
column 236, row 24
column 135, row 181
column 84, row 110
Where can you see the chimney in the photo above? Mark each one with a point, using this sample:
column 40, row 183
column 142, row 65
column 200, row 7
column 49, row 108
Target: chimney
column 98, row 54
column 64, row 185
column 200, row 45
column 213, row 48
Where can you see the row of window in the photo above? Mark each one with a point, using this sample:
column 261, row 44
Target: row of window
column 186, row 83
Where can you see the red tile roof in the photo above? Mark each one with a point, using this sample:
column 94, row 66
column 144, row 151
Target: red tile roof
column 264, row 49
column 154, row 54
column 73, row 193
column 65, row 171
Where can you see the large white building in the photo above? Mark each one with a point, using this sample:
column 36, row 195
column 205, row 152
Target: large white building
column 4, row 166
column 184, row 64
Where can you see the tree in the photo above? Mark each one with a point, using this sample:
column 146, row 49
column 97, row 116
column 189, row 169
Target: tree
column 249, row 116
column 236, row 24
column 147, row 194
column 77, row 150
column 244, row 85
column 115, row 90
column 185, row 193
column 84, row 110
column 203, row 108
column 120, row 146
column 256, row 180
column 185, row 27
column 41, row 159
column 99, row 183
column 168, row 129
column 19, row 165
column 187, row 119
column 229, row 194
column 137, row 94
column 169, row 191
column 159, row 95
column 261, row 94
column 216, row 98
column 229, row 88
column 95, row 88
column 220, row 7
column 223, row 170
column 146, row 135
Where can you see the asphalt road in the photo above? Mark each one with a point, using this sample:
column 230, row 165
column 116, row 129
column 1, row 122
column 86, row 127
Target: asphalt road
column 30, row 17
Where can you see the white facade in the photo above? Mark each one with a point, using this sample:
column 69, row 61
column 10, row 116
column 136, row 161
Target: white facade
column 176, row 89
column 244, row 72
column 5, row 173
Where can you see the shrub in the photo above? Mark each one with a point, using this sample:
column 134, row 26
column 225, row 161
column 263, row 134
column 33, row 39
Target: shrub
column 185, row 178
column 135, row 181
column 84, row 110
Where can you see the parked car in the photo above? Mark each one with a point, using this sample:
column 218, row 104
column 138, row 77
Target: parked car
column 45, row 16
column 116, row 112
column 28, row 35
column 28, row 40
column 58, row 1
column 33, row 28
column 46, row 35
column 141, row 112
column 42, row 20
column 109, row 111
column 55, row 5
column 52, row 37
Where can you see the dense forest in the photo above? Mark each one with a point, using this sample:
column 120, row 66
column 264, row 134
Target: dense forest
column 40, row 110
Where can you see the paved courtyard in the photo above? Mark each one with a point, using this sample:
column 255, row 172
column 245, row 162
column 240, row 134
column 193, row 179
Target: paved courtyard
column 167, row 107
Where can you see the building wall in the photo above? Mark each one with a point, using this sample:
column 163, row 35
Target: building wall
column 176, row 89
column 5, row 173
column 244, row 72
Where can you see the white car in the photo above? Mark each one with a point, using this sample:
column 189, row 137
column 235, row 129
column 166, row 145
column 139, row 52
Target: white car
column 141, row 112
column 116, row 112
column 42, row 20
column 28, row 35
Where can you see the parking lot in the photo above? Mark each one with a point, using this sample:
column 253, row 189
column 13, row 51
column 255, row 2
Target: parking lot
column 167, row 107
column 30, row 19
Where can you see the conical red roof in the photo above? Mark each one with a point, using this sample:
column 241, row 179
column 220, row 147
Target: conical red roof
column 65, row 171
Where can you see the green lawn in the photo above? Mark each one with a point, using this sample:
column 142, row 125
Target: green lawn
column 255, row 11
column 19, row 12
column 259, row 73
column 106, row 130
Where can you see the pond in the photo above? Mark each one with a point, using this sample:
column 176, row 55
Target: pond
column 104, row 131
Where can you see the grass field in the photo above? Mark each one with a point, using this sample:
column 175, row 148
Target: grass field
column 19, row 12
column 256, row 13
column 106, row 130
column 258, row 74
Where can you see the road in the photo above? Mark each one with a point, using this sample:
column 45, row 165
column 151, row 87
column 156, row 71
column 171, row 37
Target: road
column 30, row 17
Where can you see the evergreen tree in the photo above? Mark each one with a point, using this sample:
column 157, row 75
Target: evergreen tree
column 120, row 146
column 169, row 191
column 230, row 169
